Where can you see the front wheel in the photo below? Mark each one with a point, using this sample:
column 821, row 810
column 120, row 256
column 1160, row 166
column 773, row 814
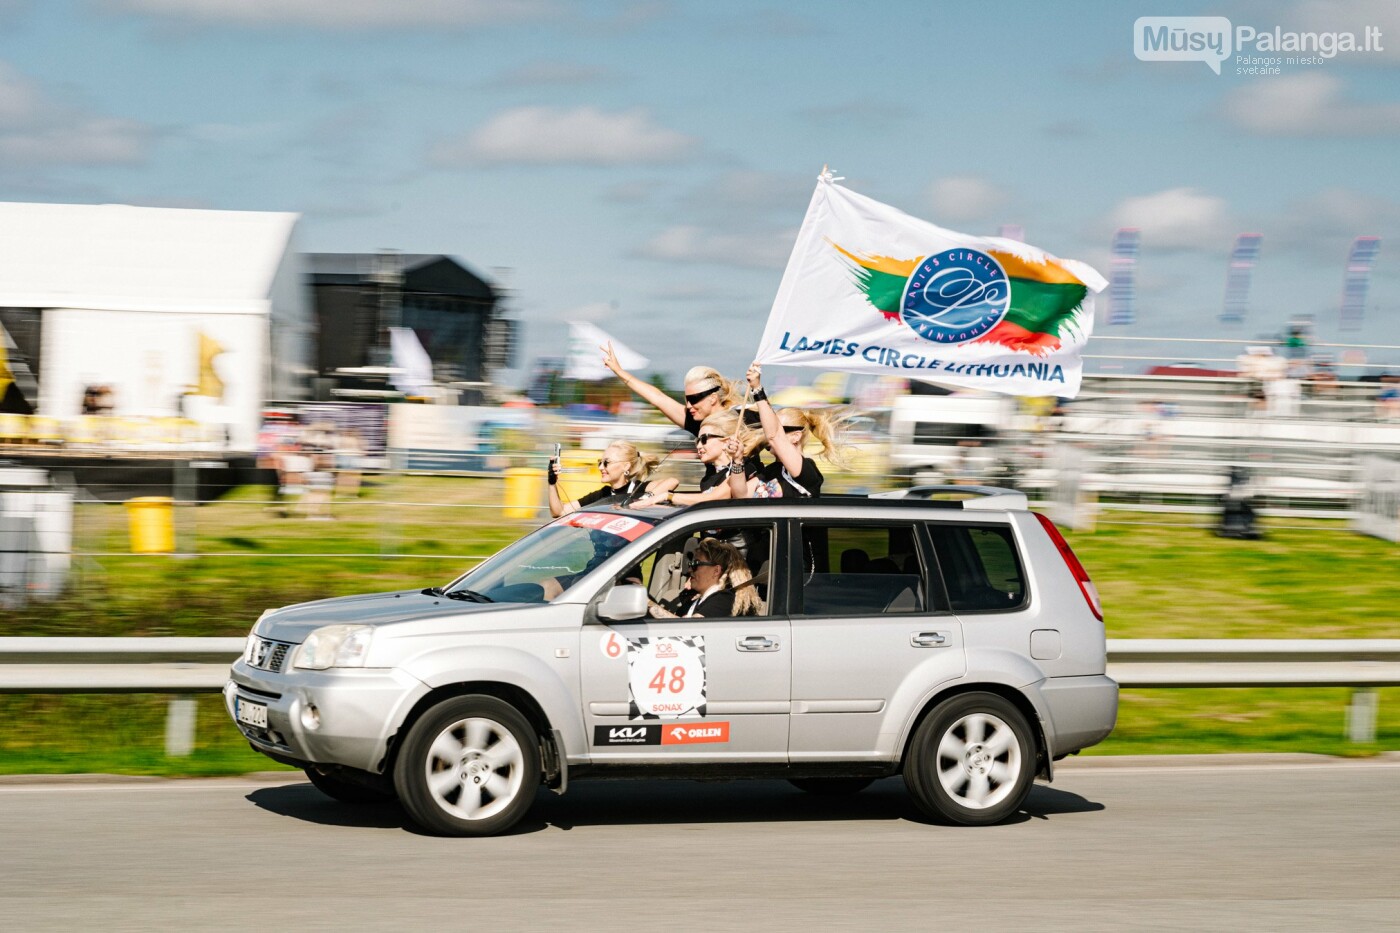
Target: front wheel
column 972, row 760
column 468, row 767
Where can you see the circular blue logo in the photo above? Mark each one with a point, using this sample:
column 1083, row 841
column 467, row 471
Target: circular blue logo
column 955, row 296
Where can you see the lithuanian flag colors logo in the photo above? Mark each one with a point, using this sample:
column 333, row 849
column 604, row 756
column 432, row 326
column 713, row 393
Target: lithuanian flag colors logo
column 968, row 295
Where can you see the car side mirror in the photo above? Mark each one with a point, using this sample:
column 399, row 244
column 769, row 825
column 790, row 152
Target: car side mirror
column 623, row 603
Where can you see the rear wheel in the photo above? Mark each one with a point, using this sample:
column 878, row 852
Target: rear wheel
column 346, row 788
column 468, row 767
column 972, row 760
column 832, row 787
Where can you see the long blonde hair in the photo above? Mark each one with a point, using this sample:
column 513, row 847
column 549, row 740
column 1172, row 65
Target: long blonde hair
column 727, row 423
column 706, row 378
column 639, row 466
column 823, row 424
column 735, row 574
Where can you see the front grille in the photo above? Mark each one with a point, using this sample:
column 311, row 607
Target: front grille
column 268, row 655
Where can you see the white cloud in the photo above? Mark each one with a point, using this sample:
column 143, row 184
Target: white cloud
column 1309, row 103
column 961, row 198
column 1178, row 219
column 554, row 136
column 691, row 244
column 339, row 15
column 38, row 130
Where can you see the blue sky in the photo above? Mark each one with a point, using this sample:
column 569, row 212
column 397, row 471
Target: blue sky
column 645, row 165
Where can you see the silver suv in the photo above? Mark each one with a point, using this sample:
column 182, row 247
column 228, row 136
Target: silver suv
column 955, row 641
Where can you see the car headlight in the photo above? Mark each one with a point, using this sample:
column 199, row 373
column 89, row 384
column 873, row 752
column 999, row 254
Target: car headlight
column 253, row 638
column 334, row 646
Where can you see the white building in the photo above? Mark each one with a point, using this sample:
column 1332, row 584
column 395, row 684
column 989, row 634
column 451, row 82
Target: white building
column 155, row 302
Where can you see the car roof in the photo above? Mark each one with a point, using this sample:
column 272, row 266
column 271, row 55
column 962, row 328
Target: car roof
column 932, row 498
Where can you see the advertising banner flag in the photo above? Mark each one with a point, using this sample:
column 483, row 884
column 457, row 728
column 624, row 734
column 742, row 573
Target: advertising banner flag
column 1358, row 280
column 1242, row 260
column 1122, row 288
column 869, row 289
column 585, row 359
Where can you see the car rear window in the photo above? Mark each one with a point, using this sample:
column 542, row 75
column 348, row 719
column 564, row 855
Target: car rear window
column 981, row 567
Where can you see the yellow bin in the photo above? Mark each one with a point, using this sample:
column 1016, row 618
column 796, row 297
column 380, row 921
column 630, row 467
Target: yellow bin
column 578, row 474
column 152, row 521
column 525, row 492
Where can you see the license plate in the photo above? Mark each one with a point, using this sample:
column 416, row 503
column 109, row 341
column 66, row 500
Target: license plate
column 254, row 714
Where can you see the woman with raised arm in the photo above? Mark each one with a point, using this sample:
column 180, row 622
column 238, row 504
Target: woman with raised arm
column 706, row 392
column 791, row 474
column 711, row 448
column 624, row 471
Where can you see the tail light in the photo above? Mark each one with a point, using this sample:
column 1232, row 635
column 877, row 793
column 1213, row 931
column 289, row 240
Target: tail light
column 1086, row 586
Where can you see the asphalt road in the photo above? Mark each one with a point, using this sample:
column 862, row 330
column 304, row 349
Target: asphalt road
column 1263, row 845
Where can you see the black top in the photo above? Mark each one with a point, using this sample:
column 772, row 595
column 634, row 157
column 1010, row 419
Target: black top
column 777, row 483
column 607, row 492
column 713, row 477
column 717, row 605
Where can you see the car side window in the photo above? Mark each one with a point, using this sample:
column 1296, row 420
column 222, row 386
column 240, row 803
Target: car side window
column 861, row 570
column 981, row 567
column 667, row 571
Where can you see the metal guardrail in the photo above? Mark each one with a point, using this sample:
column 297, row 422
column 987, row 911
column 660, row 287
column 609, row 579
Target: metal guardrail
column 196, row 665
column 183, row 666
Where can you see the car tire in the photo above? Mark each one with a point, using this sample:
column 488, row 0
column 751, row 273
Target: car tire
column 972, row 760
column 469, row 767
column 831, row 787
column 347, row 789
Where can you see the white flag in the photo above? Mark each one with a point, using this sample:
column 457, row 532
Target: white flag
column 585, row 359
column 414, row 370
column 870, row 289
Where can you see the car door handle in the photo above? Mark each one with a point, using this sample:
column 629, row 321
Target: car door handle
column 929, row 639
column 758, row 643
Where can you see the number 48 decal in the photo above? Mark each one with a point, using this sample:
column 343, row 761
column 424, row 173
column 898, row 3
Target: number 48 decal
column 675, row 683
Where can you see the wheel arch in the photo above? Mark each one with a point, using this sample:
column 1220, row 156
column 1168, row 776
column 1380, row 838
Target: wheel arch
column 1016, row 697
column 520, row 698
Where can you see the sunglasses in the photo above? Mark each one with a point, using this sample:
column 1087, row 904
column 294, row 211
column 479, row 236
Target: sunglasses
column 704, row 439
column 793, row 429
column 698, row 397
column 696, row 564
column 603, row 464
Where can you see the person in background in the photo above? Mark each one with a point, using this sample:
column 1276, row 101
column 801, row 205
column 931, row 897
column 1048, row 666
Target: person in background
column 792, row 474
column 1388, row 398
column 624, row 472
column 719, row 586
column 706, row 392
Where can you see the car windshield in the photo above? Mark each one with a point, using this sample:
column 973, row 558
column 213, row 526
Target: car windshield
column 542, row 565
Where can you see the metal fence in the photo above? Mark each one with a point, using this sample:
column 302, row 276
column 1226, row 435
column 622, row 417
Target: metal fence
column 201, row 665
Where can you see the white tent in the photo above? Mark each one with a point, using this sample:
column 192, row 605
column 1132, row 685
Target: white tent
column 142, row 299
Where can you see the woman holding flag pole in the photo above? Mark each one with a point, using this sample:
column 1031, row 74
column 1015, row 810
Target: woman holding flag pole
column 791, row 475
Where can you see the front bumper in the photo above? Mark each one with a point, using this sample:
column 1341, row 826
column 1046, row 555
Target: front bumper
column 357, row 710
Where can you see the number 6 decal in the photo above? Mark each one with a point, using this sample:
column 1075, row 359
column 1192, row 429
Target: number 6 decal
column 613, row 647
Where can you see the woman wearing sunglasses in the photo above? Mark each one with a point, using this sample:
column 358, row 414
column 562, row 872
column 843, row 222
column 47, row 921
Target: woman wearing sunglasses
column 711, row 450
column 624, row 471
column 792, row 474
column 706, row 392
column 719, row 586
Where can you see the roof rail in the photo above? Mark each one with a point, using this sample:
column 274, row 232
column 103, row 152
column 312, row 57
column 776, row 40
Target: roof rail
column 989, row 498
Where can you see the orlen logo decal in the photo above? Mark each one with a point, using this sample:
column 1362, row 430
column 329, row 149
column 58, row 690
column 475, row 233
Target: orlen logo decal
column 695, row 733
column 626, row 735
